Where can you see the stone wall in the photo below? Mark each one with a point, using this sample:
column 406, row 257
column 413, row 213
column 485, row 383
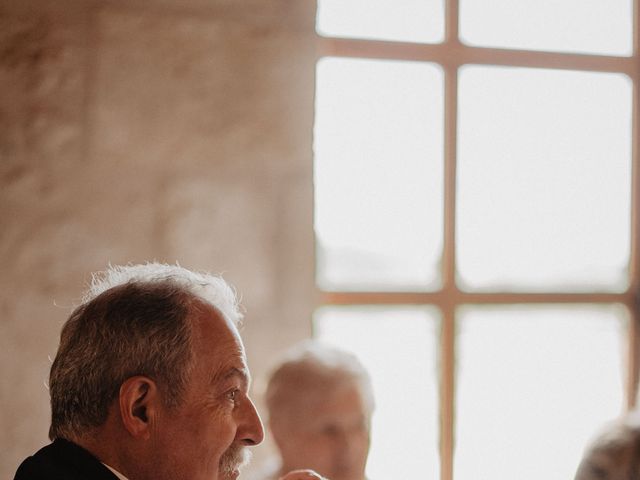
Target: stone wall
column 149, row 130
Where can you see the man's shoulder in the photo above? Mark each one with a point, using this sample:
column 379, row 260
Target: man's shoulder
column 62, row 460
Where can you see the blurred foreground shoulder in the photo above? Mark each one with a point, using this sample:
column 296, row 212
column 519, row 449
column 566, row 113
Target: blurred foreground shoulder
column 614, row 454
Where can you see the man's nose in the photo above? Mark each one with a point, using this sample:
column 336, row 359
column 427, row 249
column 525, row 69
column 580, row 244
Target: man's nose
column 250, row 430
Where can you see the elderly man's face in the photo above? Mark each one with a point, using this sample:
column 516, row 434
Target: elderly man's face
column 206, row 436
column 333, row 439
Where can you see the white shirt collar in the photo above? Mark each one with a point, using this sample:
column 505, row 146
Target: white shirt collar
column 116, row 473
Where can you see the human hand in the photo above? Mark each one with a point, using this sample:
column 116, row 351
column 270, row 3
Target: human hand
column 302, row 475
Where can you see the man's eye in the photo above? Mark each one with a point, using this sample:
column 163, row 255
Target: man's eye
column 331, row 430
column 233, row 395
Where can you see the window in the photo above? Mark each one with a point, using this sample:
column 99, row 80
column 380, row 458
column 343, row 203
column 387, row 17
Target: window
column 477, row 232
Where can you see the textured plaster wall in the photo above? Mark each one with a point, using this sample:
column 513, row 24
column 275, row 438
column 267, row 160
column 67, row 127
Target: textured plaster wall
column 140, row 130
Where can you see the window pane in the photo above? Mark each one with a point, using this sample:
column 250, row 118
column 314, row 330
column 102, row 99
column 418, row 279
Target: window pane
column 582, row 26
column 378, row 174
column 544, row 180
column 534, row 385
column 409, row 20
column 398, row 347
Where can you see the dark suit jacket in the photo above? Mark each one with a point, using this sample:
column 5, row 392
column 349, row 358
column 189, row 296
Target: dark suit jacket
column 63, row 460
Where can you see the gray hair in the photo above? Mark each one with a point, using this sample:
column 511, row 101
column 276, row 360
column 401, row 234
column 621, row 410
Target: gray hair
column 615, row 452
column 133, row 320
column 308, row 371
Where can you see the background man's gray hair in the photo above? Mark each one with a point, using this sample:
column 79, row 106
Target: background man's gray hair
column 309, row 371
column 133, row 320
column 615, row 452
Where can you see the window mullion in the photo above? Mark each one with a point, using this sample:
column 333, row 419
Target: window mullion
column 451, row 21
column 447, row 391
column 447, row 383
column 633, row 345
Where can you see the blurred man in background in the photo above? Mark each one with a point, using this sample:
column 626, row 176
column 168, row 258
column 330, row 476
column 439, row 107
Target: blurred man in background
column 320, row 402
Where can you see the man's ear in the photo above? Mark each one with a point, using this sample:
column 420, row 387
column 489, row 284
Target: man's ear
column 139, row 399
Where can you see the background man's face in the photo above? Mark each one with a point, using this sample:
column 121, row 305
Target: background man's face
column 333, row 439
column 216, row 420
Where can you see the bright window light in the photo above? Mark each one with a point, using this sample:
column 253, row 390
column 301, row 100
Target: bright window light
column 409, row 20
column 399, row 348
column 601, row 27
column 378, row 174
column 534, row 384
column 544, row 180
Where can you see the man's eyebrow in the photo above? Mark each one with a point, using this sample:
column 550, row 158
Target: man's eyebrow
column 222, row 376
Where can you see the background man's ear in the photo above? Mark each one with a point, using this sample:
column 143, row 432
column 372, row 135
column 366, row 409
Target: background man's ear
column 138, row 402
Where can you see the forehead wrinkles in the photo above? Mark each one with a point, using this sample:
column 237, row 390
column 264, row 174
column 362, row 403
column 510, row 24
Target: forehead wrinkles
column 234, row 373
